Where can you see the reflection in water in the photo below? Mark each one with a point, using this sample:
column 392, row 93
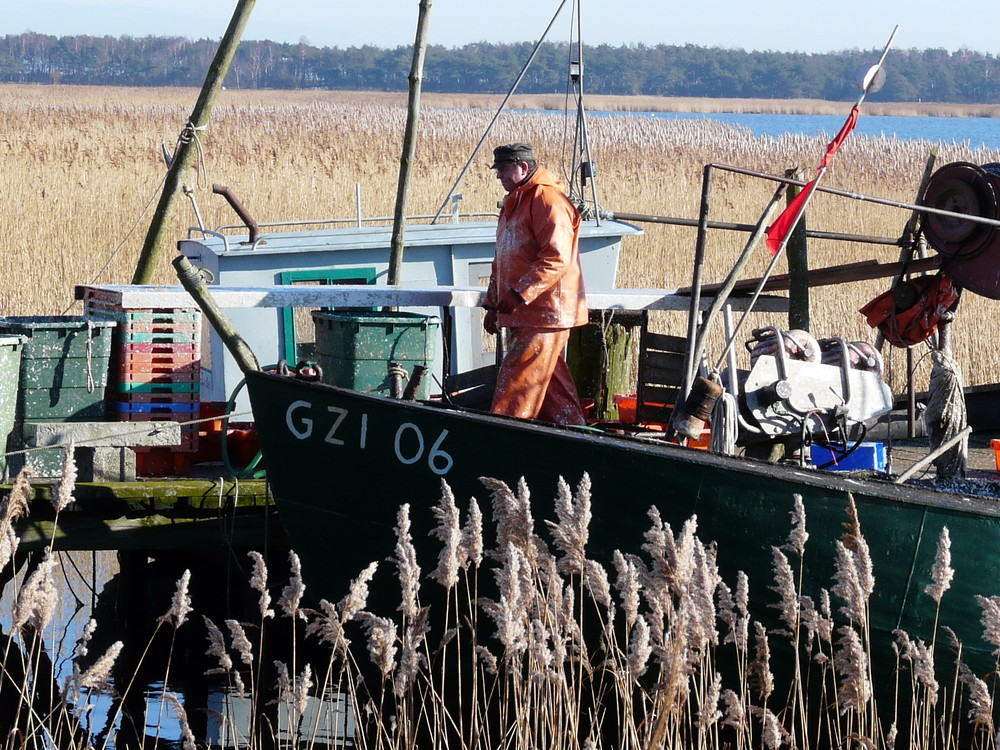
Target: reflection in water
column 158, row 686
column 325, row 721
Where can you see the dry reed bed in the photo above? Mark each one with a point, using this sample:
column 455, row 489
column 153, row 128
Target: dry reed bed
column 81, row 165
column 652, row 649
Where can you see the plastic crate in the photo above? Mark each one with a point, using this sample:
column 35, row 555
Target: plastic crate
column 64, row 366
column 10, row 366
column 869, row 456
column 354, row 349
column 133, row 387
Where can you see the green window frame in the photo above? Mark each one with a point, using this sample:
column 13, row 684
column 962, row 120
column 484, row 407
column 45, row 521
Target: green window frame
column 289, row 343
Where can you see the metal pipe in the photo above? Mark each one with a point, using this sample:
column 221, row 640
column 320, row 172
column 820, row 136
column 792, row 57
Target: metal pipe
column 860, row 196
column 240, row 210
column 192, row 280
column 727, row 287
column 737, row 227
column 699, row 260
column 588, row 162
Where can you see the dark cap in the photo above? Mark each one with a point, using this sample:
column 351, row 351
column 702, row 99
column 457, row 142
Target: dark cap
column 512, row 153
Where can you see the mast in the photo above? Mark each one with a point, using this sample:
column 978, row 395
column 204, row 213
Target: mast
column 187, row 147
column 409, row 143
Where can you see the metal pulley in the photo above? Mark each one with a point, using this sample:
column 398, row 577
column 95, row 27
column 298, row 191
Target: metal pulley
column 968, row 250
column 787, row 393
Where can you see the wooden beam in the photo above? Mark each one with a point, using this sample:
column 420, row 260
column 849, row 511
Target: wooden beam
column 869, row 269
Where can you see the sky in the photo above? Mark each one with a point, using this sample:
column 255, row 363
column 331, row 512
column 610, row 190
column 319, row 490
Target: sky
column 780, row 25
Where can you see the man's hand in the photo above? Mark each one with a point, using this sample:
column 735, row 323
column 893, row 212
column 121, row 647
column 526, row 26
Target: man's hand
column 490, row 322
column 510, row 301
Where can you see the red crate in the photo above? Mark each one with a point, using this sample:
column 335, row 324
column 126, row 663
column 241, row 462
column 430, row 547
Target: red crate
column 190, row 440
column 150, row 372
column 162, row 461
column 189, row 329
column 173, row 349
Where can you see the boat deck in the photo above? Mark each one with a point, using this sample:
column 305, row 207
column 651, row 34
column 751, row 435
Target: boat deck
column 982, row 459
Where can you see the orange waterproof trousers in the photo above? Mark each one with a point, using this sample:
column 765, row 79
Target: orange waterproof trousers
column 534, row 381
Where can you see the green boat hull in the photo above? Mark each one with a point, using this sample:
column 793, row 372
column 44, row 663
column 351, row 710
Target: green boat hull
column 341, row 463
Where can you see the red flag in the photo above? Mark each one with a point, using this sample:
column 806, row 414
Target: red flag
column 831, row 149
column 783, row 224
column 777, row 232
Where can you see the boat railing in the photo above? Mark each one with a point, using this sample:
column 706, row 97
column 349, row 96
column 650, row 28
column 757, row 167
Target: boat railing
column 220, row 231
column 377, row 295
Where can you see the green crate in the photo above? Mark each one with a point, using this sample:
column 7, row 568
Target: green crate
column 10, row 365
column 158, row 387
column 61, row 337
column 63, row 404
column 46, row 463
column 354, row 349
column 70, row 372
column 64, row 367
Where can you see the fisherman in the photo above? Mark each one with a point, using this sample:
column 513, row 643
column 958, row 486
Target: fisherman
column 535, row 290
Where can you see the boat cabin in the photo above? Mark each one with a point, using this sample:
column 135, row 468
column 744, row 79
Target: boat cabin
column 447, row 254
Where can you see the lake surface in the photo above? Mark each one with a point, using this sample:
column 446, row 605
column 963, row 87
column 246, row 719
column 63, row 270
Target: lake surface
column 976, row 131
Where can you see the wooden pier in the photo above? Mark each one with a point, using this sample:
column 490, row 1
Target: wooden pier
column 155, row 514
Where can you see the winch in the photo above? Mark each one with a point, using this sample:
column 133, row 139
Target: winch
column 798, row 385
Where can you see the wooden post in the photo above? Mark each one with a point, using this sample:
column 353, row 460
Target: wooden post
column 599, row 356
column 186, row 147
column 798, row 264
column 409, row 144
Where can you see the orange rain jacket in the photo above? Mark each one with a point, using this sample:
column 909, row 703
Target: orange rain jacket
column 538, row 256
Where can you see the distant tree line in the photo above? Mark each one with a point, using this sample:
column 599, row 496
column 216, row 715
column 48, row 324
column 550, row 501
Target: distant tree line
column 932, row 75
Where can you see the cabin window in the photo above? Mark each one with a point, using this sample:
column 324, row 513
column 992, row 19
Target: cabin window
column 298, row 338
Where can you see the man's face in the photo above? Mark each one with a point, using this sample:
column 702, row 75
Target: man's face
column 512, row 174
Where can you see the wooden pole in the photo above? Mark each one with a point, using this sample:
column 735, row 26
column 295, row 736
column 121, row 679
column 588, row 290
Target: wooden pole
column 187, row 148
column 798, row 265
column 409, row 144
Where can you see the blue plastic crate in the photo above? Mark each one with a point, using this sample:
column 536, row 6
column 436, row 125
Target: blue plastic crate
column 121, row 407
column 870, row 456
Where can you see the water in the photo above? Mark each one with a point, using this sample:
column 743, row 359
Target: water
column 126, row 594
column 976, row 131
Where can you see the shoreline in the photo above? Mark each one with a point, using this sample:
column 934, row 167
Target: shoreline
column 594, row 102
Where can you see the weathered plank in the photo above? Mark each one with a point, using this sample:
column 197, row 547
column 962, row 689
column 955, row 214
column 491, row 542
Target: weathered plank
column 153, row 515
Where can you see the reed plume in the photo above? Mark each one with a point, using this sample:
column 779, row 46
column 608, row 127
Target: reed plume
column 240, row 643
column 470, row 550
column 406, row 562
column 180, row 604
column 37, row 600
column 448, row 530
column 941, row 571
column 759, row 674
column 99, row 673
column 784, row 586
column 187, row 737
column 381, row 642
column 63, row 494
column 798, row 536
column 217, row 648
column 851, row 660
column 258, row 582
column 291, row 595
column 571, row 531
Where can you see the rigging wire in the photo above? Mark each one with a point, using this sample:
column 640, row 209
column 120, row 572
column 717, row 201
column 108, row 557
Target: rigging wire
column 499, row 111
column 188, row 133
